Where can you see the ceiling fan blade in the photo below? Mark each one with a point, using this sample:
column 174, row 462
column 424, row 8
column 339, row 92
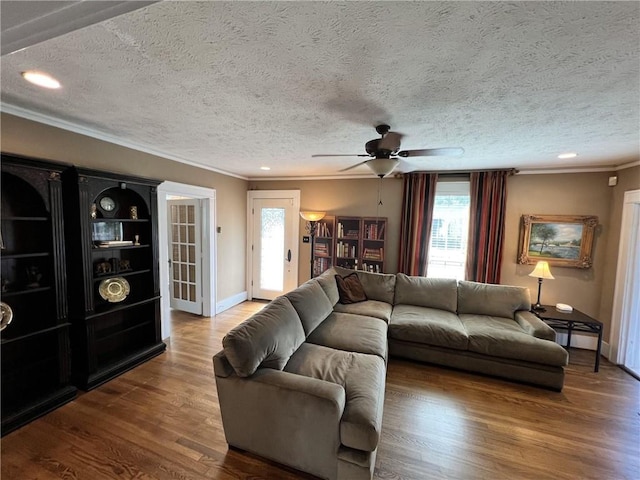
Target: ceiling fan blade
column 353, row 166
column 342, row 155
column 432, row 152
column 391, row 142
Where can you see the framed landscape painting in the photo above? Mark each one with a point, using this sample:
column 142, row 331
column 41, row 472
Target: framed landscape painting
column 561, row 240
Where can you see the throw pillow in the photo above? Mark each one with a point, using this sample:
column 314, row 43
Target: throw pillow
column 350, row 289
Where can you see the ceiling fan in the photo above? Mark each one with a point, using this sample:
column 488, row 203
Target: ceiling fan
column 384, row 153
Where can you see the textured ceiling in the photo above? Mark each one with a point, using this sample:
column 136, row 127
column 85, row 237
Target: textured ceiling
column 238, row 85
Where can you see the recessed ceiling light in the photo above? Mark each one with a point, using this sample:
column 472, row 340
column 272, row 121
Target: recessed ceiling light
column 41, row 79
column 265, row 168
column 568, row 155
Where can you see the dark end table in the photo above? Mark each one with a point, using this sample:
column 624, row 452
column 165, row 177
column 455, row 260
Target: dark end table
column 574, row 321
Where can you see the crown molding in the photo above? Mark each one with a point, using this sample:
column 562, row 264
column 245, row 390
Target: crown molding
column 89, row 132
column 628, row 165
column 583, row 169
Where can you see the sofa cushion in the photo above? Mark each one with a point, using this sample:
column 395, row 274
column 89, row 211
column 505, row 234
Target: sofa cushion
column 266, row 339
column 350, row 289
column 311, row 303
column 428, row 326
column 377, row 286
column 363, row 379
column 352, row 333
column 327, row 281
column 370, row 308
column 495, row 300
column 505, row 338
column 439, row 293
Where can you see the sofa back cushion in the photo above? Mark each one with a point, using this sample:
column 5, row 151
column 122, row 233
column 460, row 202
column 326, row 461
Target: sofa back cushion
column 377, row 286
column 267, row 339
column 327, row 281
column 440, row 293
column 311, row 303
column 489, row 299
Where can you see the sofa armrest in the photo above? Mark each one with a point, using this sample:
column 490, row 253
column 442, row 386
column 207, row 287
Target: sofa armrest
column 289, row 418
column 534, row 326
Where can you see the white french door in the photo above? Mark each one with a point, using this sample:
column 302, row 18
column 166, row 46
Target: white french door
column 185, row 255
column 273, row 250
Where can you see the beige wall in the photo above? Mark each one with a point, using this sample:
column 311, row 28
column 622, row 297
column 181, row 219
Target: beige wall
column 346, row 197
column 559, row 194
column 589, row 290
column 33, row 139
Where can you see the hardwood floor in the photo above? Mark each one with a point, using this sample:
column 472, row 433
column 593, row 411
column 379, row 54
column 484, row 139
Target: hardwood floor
column 162, row 421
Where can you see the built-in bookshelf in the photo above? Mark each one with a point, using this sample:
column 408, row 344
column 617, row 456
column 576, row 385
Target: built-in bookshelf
column 323, row 251
column 360, row 243
column 34, row 338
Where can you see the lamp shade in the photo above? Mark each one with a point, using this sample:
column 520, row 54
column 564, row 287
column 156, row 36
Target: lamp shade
column 542, row 271
column 382, row 166
column 312, row 216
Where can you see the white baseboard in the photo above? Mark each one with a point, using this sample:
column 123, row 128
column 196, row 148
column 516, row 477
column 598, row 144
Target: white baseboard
column 232, row 301
column 587, row 342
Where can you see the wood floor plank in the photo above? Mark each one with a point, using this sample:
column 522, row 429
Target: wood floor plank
column 162, row 421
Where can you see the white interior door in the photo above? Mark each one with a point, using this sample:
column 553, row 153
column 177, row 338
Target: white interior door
column 185, row 255
column 273, row 251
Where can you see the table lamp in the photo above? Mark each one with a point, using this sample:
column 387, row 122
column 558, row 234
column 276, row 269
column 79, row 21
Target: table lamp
column 541, row 271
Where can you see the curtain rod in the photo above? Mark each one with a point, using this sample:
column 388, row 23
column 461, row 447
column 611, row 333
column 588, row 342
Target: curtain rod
column 457, row 173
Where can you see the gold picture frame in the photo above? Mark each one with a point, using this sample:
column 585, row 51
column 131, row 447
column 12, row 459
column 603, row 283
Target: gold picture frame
column 561, row 240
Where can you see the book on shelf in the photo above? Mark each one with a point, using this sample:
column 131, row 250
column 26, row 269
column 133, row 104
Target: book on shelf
column 321, row 249
column 376, row 254
column 320, row 265
column 374, row 231
column 348, row 233
column 346, row 250
column 324, row 230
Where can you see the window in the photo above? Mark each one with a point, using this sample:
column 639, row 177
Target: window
column 449, row 231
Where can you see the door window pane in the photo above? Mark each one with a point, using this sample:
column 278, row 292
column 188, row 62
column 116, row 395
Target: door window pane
column 272, row 248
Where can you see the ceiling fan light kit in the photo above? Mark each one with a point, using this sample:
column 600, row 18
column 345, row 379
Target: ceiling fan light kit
column 382, row 166
column 385, row 152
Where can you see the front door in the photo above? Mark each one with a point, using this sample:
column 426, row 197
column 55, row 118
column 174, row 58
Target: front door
column 185, row 252
column 274, row 252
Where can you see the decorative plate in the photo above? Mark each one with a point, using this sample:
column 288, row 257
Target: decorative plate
column 6, row 315
column 114, row 289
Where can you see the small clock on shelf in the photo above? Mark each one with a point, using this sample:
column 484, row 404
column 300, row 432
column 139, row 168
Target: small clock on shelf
column 108, row 206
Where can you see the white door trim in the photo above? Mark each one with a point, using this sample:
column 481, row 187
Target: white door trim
column 623, row 288
column 254, row 194
column 209, row 247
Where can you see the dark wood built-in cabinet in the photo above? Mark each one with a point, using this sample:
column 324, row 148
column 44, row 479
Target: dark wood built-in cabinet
column 114, row 291
column 35, row 349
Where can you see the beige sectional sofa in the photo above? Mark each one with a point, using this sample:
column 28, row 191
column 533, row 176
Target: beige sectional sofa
column 302, row 381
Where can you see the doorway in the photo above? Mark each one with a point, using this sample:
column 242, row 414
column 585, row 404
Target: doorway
column 207, row 208
column 272, row 242
column 625, row 333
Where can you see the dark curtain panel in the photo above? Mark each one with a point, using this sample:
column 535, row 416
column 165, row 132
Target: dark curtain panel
column 417, row 216
column 486, row 226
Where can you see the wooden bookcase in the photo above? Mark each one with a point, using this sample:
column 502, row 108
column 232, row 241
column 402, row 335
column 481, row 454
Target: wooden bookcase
column 323, row 254
column 373, row 240
column 360, row 243
column 35, row 345
column 113, row 273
